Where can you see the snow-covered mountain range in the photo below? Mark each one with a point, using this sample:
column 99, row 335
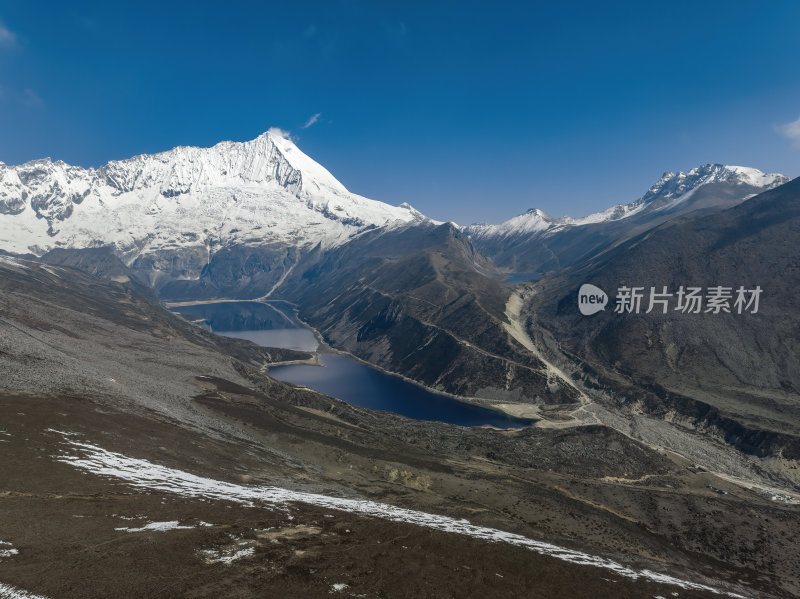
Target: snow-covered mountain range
column 256, row 192
column 671, row 194
column 167, row 215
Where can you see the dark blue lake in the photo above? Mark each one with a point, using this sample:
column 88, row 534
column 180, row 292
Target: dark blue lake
column 339, row 376
column 360, row 385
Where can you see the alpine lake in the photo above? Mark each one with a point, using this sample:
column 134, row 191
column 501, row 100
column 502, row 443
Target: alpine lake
column 338, row 375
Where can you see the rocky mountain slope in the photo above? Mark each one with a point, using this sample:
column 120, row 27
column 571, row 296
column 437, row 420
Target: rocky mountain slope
column 733, row 372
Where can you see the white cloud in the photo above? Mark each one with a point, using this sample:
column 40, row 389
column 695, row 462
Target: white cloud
column 791, row 130
column 280, row 132
column 7, row 37
column 314, row 118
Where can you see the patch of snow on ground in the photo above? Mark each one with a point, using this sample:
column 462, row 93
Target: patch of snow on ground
column 9, row 592
column 146, row 475
column 157, row 526
column 7, row 550
column 338, row 587
column 226, row 555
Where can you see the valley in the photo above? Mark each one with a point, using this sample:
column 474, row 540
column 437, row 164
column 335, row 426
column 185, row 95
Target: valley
column 225, row 421
column 350, row 384
column 369, row 300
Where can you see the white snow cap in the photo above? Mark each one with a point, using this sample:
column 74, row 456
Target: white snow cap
column 312, row 171
column 253, row 192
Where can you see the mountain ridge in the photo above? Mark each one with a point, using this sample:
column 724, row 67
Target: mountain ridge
column 535, row 242
column 671, row 186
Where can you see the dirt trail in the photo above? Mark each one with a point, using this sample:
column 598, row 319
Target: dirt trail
column 517, row 331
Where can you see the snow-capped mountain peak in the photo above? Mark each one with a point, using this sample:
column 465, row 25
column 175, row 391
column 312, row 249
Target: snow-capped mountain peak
column 529, row 222
column 312, row 173
column 254, row 192
column 269, row 158
column 675, row 185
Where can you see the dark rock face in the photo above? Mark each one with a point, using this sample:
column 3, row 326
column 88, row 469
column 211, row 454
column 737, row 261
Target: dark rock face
column 244, row 272
column 12, row 205
column 101, row 262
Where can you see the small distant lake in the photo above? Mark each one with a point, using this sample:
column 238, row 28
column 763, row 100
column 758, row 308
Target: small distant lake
column 522, row 277
column 240, row 316
column 339, row 376
column 299, row 339
column 261, row 323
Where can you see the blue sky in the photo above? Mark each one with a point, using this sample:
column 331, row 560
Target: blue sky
column 470, row 111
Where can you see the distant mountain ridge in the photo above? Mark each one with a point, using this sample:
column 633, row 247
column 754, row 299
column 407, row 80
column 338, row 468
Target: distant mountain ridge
column 536, row 241
column 266, row 191
column 234, row 220
column 668, row 192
